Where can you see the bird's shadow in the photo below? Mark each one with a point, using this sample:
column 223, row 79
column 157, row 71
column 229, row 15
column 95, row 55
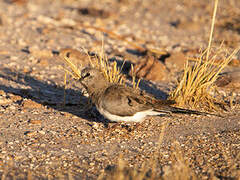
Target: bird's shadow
column 49, row 94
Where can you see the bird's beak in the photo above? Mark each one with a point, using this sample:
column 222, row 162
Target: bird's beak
column 81, row 79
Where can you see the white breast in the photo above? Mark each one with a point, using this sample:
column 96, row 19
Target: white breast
column 137, row 117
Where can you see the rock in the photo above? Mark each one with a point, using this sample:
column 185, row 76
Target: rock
column 176, row 61
column 229, row 80
column 43, row 62
column 5, row 101
column 235, row 63
column 2, row 93
column 35, row 121
column 150, row 69
column 31, row 104
column 30, row 133
column 91, row 11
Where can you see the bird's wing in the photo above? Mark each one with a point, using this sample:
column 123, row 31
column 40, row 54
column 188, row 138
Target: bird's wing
column 126, row 101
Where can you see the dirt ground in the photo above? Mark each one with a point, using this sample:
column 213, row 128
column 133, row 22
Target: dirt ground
column 41, row 139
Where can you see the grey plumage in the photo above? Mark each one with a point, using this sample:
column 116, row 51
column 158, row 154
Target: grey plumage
column 121, row 103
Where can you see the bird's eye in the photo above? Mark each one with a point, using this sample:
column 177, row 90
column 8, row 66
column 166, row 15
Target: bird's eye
column 86, row 75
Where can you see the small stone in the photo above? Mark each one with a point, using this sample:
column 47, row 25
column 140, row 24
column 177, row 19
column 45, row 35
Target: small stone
column 235, row 63
column 2, row 93
column 42, row 132
column 30, row 133
column 150, row 69
column 31, row 104
column 15, row 98
column 43, row 62
column 43, row 145
column 4, row 101
column 35, row 121
column 67, row 114
column 229, row 80
column 12, row 107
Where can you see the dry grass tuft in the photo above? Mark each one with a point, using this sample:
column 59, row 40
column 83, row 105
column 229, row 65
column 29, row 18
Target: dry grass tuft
column 197, row 83
column 111, row 72
column 75, row 72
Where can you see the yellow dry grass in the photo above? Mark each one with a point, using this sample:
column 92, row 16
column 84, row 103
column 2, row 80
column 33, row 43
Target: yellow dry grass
column 111, row 72
column 134, row 82
column 197, row 84
column 75, row 72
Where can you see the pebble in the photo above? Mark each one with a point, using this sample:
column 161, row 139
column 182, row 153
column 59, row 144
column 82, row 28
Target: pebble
column 31, row 104
column 42, row 132
column 4, row 101
column 35, row 121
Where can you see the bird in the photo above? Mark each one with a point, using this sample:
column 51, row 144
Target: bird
column 121, row 103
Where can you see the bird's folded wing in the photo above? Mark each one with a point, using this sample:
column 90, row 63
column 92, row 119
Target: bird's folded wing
column 124, row 101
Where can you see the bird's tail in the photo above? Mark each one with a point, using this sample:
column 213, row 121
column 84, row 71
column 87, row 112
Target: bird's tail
column 188, row 111
column 166, row 106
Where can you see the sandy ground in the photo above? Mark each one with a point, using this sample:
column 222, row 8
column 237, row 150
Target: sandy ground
column 41, row 139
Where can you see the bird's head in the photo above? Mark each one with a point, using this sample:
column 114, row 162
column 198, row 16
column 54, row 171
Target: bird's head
column 93, row 79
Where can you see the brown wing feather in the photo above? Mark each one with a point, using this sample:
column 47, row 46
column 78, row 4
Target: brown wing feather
column 124, row 101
